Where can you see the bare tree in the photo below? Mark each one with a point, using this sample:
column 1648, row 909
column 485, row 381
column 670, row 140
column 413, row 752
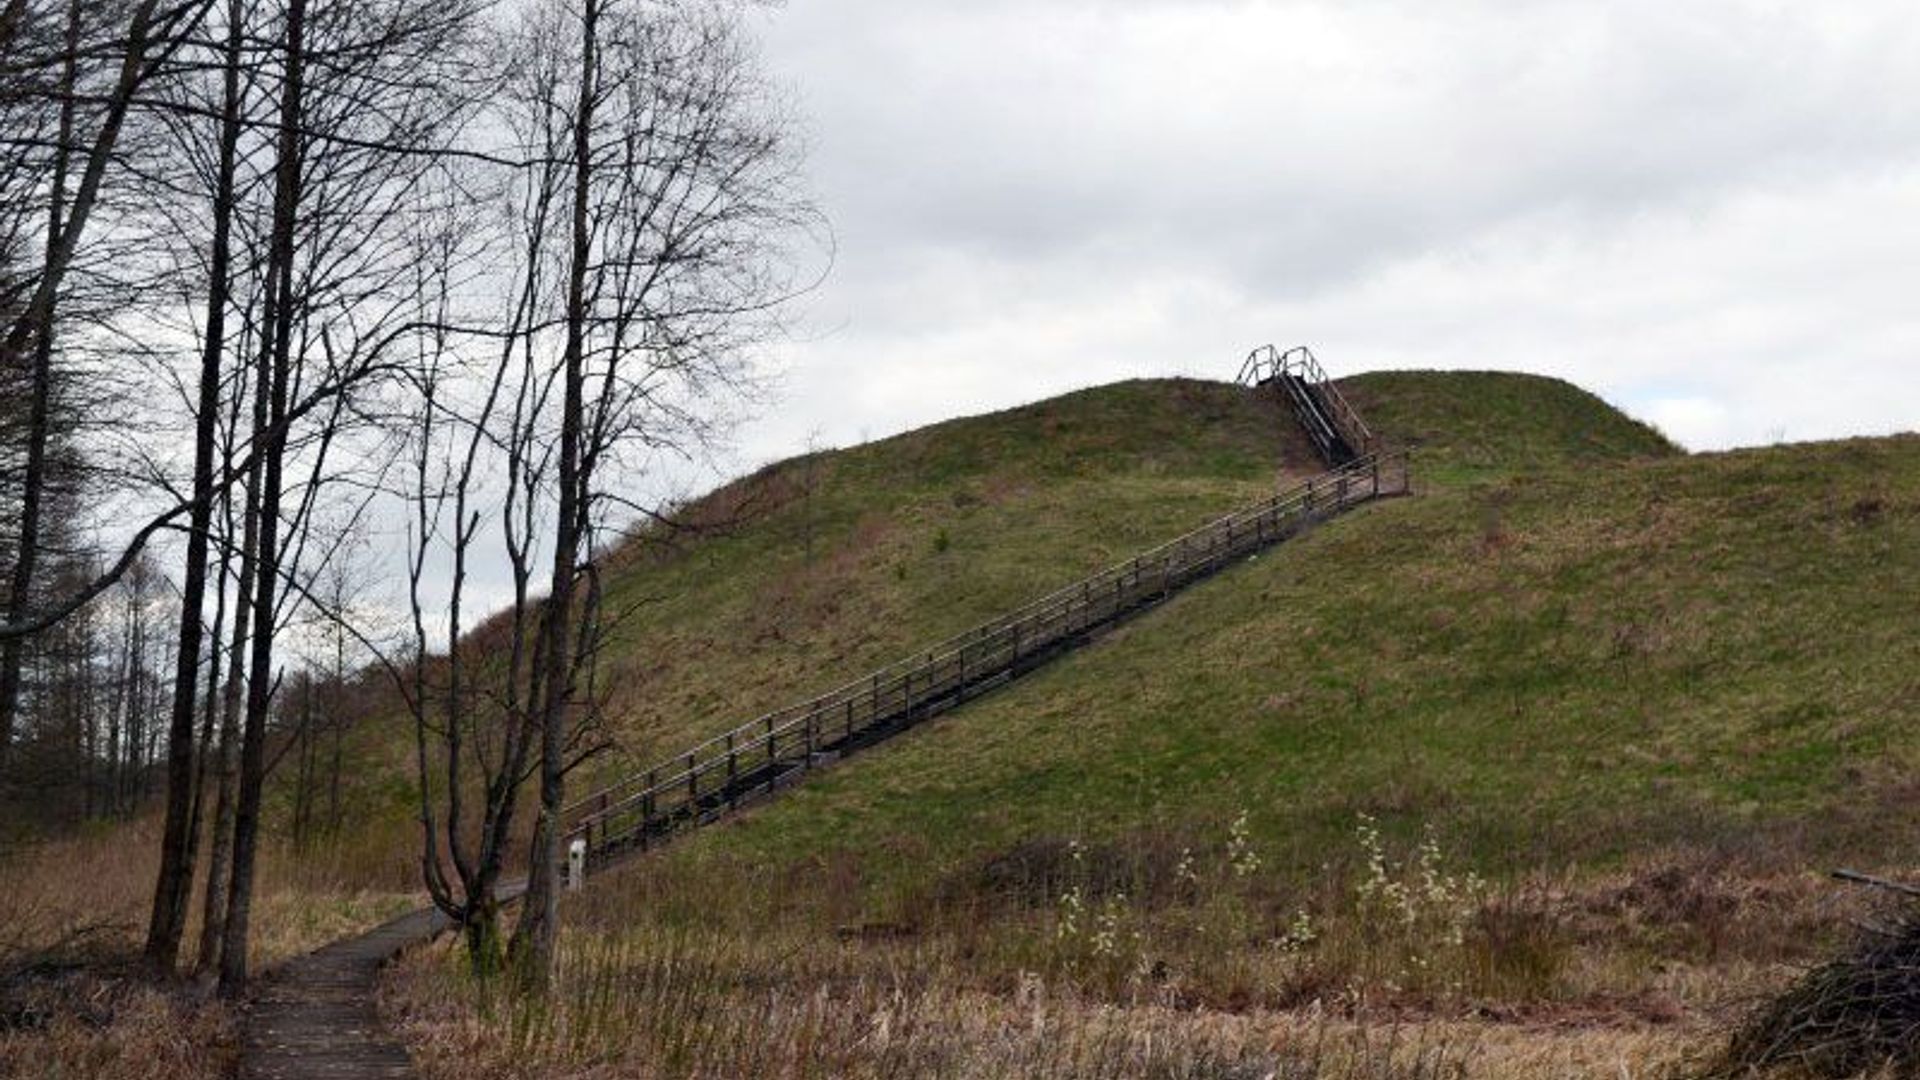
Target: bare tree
column 315, row 216
column 680, row 203
column 153, row 33
column 474, row 746
column 173, row 887
column 360, row 134
column 646, row 227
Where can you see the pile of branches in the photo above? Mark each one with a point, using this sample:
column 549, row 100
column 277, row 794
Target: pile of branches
column 1855, row 1014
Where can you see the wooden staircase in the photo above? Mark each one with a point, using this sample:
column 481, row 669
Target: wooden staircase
column 762, row 756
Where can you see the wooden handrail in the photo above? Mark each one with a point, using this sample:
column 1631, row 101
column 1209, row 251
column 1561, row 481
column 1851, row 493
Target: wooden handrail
column 654, row 801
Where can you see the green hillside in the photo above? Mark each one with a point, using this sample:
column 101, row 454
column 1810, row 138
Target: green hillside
column 815, row 570
column 1553, row 752
column 820, row 568
column 1553, row 660
column 1562, row 666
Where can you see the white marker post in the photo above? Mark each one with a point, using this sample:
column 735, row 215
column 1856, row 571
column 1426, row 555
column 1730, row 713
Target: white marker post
column 576, row 863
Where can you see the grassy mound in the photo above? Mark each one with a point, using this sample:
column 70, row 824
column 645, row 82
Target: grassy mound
column 820, row 568
column 808, row 573
column 1554, row 741
column 1564, row 665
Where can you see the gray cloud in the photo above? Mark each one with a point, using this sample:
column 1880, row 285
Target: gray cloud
column 1675, row 204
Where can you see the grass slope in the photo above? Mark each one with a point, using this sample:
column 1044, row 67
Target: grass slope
column 1556, row 660
column 1560, row 666
column 816, row 570
column 1644, row 693
column 821, row 568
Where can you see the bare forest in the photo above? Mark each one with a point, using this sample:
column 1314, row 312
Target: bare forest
column 314, row 313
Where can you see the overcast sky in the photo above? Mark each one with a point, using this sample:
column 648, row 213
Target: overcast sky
column 1708, row 212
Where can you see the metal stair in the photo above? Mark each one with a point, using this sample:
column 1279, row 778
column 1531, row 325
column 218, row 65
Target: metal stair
column 1332, row 425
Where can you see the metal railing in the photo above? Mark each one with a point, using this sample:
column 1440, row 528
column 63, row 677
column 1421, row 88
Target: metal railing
column 765, row 754
column 1323, row 409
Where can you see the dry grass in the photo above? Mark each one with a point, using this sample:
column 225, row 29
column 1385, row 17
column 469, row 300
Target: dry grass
column 716, row 1006
column 73, row 1002
column 88, row 895
column 103, row 1026
column 1157, row 960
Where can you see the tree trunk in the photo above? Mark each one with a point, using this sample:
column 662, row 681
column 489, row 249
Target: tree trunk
column 334, row 719
column 209, row 727
column 304, row 778
column 220, row 855
column 136, row 722
column 534, row 939
column 116, row 697
column 275, row 361
column 172, row 890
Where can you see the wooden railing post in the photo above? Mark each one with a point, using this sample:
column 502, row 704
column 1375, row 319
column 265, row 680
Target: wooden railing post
column 733, row 775
column 693, row 784
column 646, row 808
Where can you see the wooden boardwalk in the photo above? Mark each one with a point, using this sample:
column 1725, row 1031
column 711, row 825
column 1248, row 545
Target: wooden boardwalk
column 313, row 1018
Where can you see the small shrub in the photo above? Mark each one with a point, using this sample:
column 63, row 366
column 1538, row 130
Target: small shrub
column 1867, row 510
column 1406, row 924
column 1242, row 860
